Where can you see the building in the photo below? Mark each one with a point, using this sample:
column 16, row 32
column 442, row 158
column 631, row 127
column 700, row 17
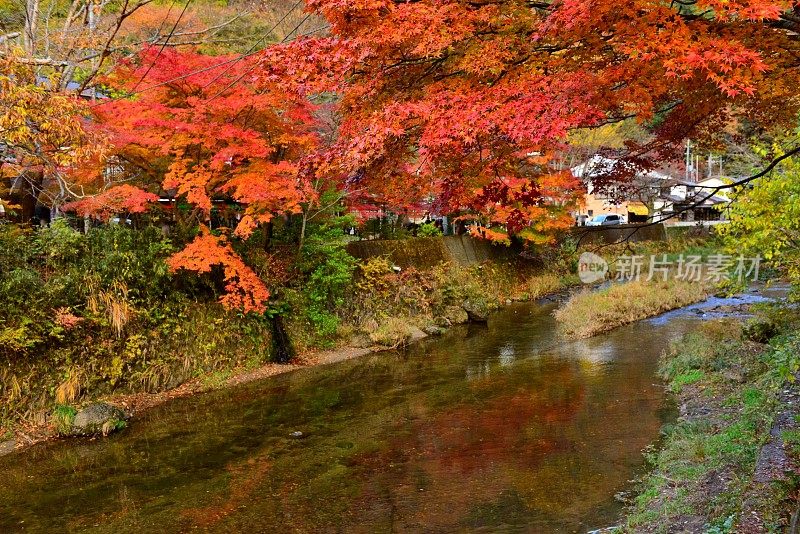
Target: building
column 649, row 195
column 689, row 201
column 634, row 202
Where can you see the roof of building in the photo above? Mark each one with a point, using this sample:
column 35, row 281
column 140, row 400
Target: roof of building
column 598, row 165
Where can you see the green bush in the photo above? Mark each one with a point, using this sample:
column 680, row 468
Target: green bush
column 428, row 230
column 51, row 276
column 328, row 272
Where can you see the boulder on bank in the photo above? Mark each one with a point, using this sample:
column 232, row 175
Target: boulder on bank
column 442, row 322
column 477, row 310
column 434, row 330
column 8, row 446
column 456, row 315
column 98, row 418
column 416, row 334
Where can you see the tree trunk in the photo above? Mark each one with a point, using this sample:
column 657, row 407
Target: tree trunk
column 268, row 231
column 31, row 18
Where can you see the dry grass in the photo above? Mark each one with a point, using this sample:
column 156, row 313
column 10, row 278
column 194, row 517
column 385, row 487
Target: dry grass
column 70, row 388
column 592, row 312
column 538, row 286
column 393, row 332
column 113, row 303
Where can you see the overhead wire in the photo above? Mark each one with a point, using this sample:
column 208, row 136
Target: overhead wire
column 166, row 41
column 252, row 68
column 250, row 52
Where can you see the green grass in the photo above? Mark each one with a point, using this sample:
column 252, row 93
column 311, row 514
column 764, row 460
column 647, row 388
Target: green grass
column 738, row 387
column 792, row 439
column 216, row 378
column 63, row 416
column 686, row 379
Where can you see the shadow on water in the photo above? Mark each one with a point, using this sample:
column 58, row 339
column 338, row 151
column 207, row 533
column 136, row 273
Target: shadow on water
column 498, row 427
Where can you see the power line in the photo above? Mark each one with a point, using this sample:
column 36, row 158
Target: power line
column 164, row 44
column 248, row 71
column 251, row 51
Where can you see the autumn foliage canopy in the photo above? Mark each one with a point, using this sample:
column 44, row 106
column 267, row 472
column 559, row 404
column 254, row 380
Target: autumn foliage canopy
column 201, row 128
column 463, row 104
column 470, row 100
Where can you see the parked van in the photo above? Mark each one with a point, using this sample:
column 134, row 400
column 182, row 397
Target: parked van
column 606, row 219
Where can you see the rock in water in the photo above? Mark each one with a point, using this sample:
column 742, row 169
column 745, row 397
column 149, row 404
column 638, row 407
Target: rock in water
column 477, row 312
column 98, row 418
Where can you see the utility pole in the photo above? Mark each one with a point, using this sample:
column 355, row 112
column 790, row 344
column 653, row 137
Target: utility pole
column 710, row 165
column 688, row 161
column 92, row 16
column 696, row 168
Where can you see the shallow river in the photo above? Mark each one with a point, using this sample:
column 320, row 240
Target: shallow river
column 498, row 428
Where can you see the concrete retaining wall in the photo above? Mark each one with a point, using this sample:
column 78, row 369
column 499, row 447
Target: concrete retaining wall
column 606, row 235
column 425, row 252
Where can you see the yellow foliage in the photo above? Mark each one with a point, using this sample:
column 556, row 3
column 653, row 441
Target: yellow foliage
column 372, row 276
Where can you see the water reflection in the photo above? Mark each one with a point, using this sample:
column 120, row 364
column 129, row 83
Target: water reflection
column 488, row 428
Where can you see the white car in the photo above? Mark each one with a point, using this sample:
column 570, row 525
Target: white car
column 606, row 219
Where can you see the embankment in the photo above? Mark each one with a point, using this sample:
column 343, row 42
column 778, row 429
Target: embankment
column 175, row 347
column 730, row 464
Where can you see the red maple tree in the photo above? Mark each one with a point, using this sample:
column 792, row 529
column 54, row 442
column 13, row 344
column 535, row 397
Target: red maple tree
column 469, row 100
column 200, row 128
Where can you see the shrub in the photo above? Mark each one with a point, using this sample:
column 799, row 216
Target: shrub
column 428, row 230
column 393, row 332
column 328, row 269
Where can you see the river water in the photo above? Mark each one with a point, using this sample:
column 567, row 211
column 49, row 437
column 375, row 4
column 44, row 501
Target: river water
column 492, row 428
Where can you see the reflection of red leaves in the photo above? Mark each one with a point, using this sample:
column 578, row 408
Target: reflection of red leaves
column 116, row 200
column 246, row 479
column 244, row 289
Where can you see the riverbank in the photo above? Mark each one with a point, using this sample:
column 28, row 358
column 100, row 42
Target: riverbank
column 731, row 462
column 98, row 315
column 180, row 348
column 390, row 332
